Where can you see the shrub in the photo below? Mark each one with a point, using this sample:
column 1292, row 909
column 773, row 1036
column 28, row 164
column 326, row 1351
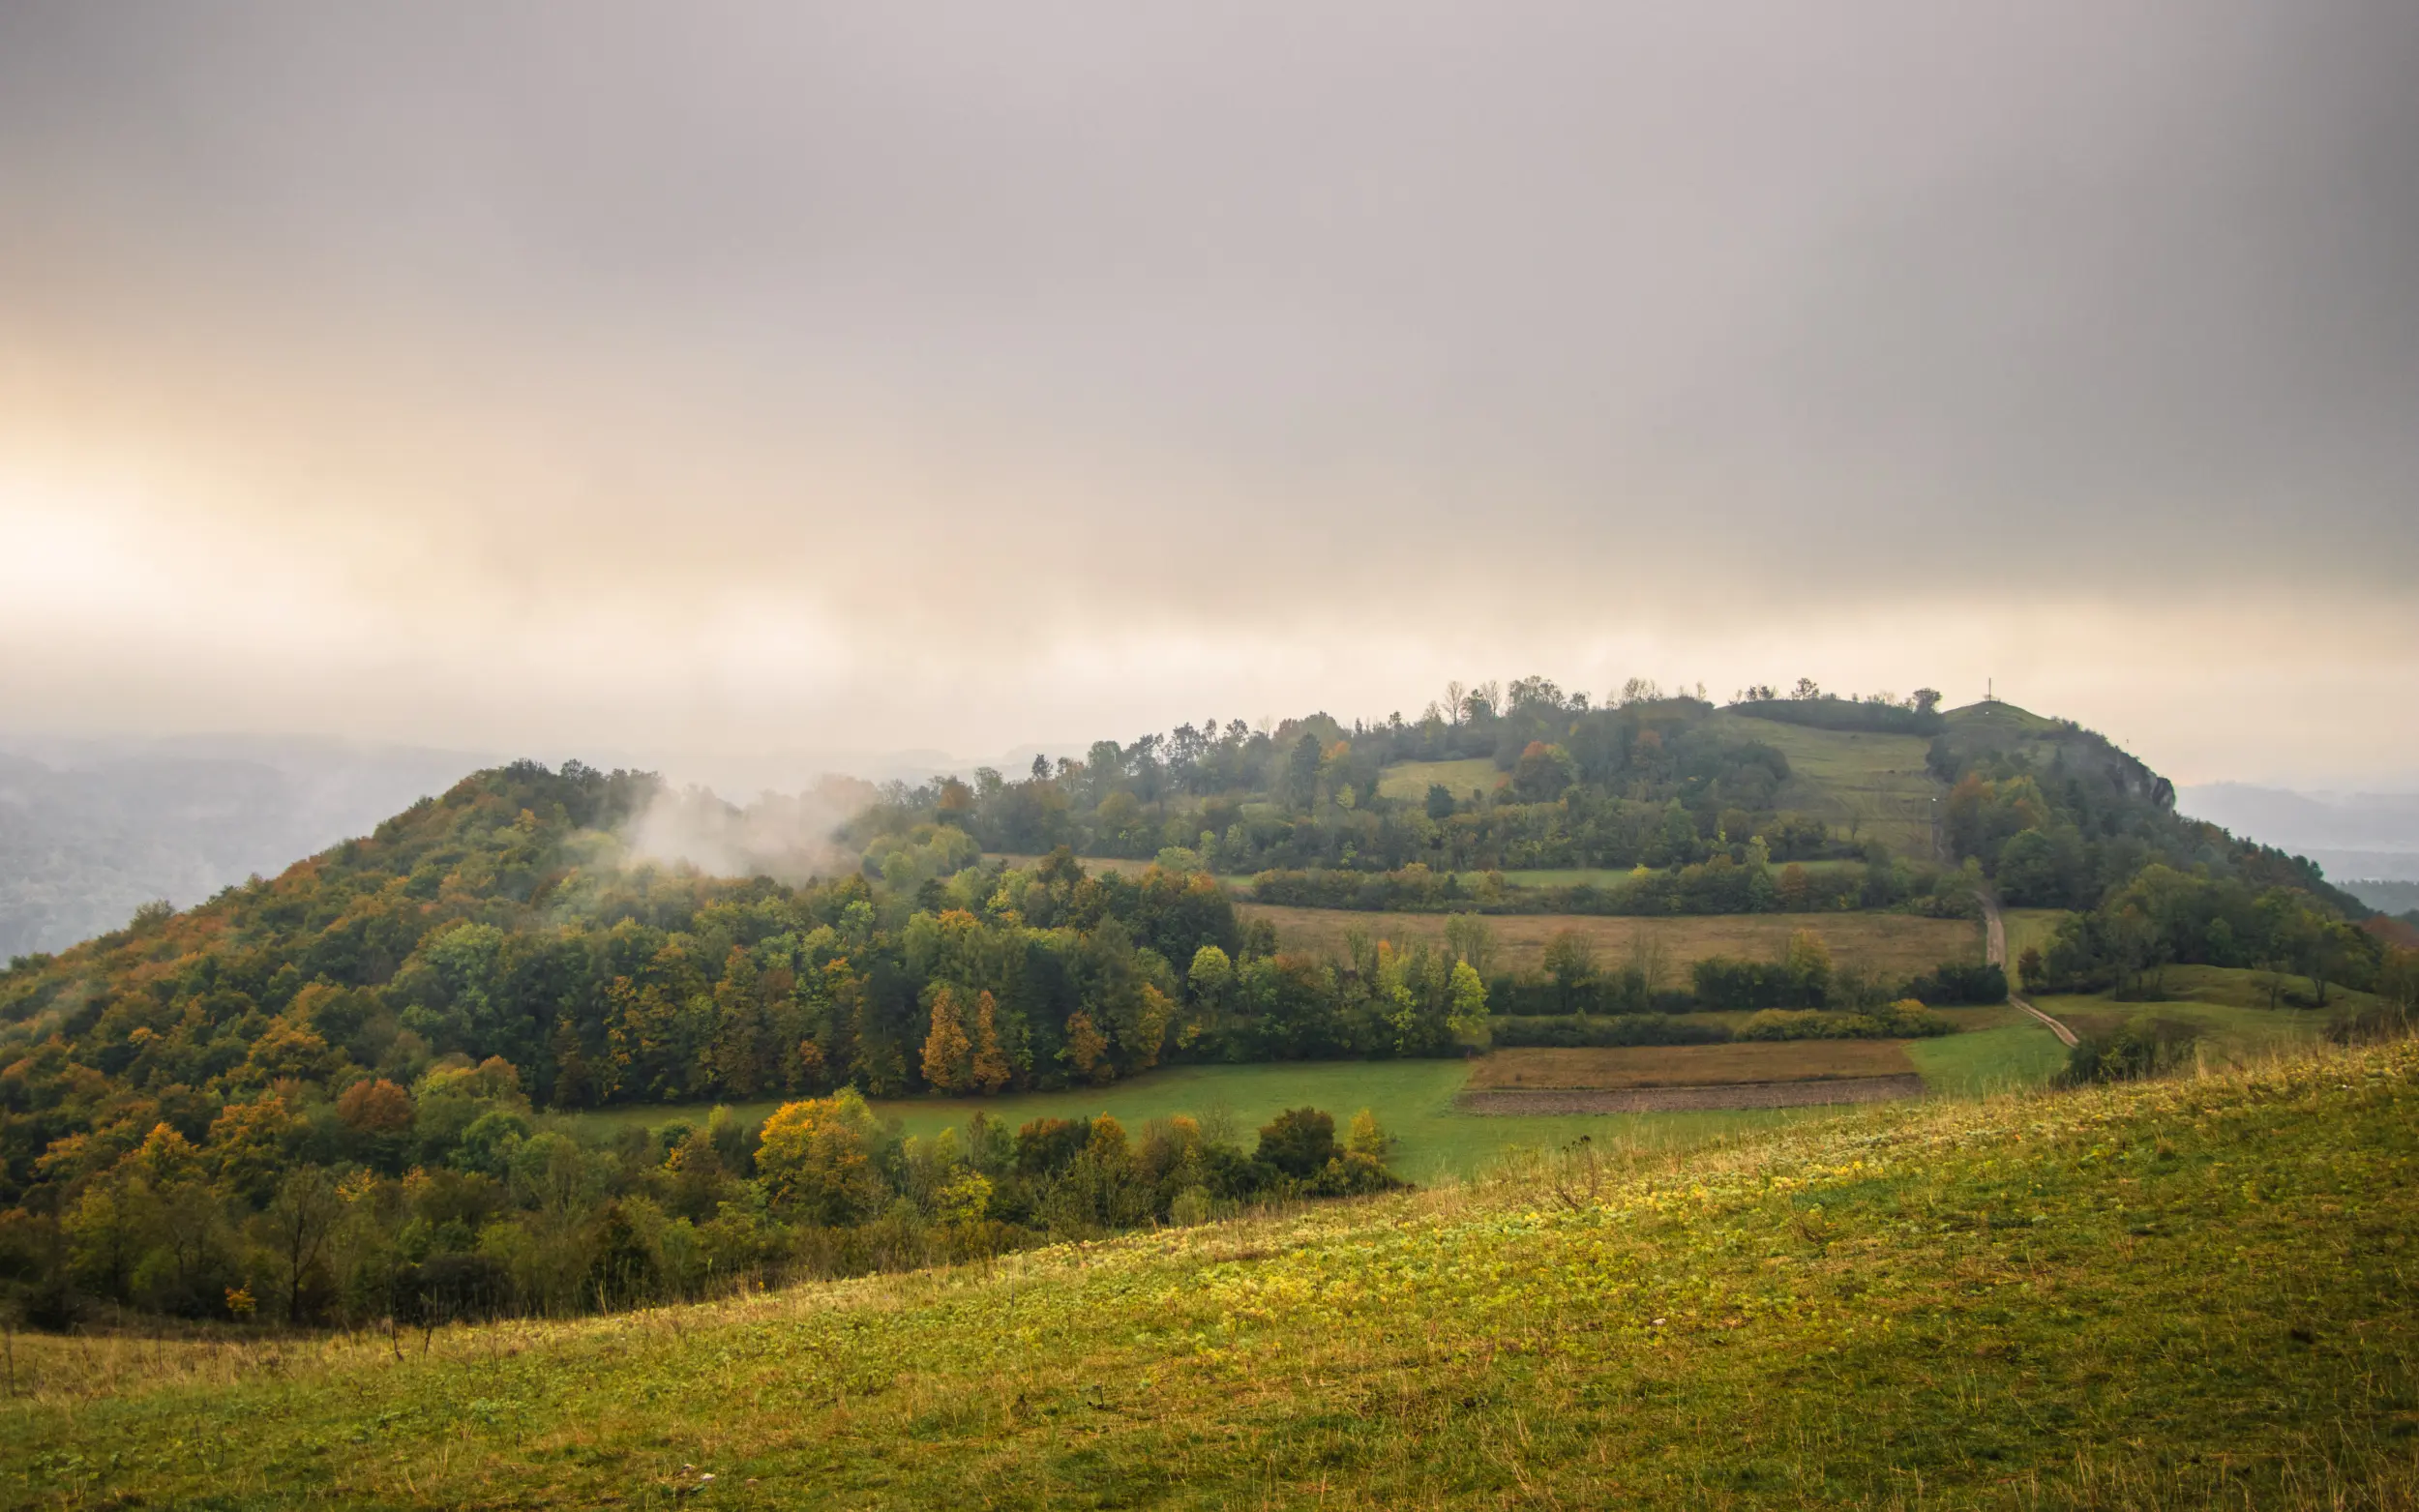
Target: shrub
column 2140, row 1049
column 1298, row 1142
column 1954, row 983
column 1904, row 1019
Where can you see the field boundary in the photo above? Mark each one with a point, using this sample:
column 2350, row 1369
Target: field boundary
column 1508, row 1102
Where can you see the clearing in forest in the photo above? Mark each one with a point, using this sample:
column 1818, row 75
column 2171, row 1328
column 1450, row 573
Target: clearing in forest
column 1863, row 784
column 1411, row 779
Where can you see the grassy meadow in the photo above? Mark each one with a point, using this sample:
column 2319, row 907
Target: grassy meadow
column 1896, row 943
column 2029, row 929
column 1864, row 786
column 2227, row 1009
column 1987, row 1061
column 2182, row 1294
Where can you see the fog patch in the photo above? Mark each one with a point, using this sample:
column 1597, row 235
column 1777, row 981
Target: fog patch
column 790, row 837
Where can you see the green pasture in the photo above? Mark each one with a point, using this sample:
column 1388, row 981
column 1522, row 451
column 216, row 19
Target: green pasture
column 2029, row 929
column 2228, row 1008
column 1986, row 1062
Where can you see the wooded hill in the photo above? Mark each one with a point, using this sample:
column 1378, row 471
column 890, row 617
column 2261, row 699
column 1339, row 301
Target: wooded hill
column 1533, row 779
column 410, row 1000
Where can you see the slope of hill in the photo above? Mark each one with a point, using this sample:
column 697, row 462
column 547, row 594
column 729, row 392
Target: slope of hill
column 2170, row 1294
column 91, row 831
column 2353, row 836
column 2060, row 817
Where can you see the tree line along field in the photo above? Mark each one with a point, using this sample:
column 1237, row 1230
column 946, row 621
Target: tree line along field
column 1894, row 944
column 2180, row 1292
column 1994, row 1051
column 1413, row 1101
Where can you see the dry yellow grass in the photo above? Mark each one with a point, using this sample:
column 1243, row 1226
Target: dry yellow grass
column 1690, row 1065
column 1895, row 944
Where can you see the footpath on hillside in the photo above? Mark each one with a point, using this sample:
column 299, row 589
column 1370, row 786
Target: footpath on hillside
column 1995, row 952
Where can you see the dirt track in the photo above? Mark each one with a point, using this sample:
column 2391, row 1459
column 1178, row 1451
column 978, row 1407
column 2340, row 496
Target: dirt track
column 1676, row 1099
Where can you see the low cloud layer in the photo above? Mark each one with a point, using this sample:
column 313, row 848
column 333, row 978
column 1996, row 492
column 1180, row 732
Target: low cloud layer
column 790, row 837
column 764, row 376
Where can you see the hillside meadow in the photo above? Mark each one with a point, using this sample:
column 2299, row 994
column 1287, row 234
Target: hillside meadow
column 1865, row 785
column 1894, row 944
column 2180, row 1294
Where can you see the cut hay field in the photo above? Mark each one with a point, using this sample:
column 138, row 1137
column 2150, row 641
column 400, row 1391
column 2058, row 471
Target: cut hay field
column 2173, row 1294
column 1412, row 779
column 1690, row 1065
column 1898, row 944
column 1865, row 787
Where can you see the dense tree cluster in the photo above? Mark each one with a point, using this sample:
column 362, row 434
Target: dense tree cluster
column 2164, row 916
column 1647, row 781
column 2059, row 818
column 405, row 1001
column 454, row 1199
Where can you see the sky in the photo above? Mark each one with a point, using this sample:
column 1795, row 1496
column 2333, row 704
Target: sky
column 766, row 381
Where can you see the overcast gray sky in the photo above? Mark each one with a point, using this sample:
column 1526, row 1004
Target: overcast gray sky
column 752, row 377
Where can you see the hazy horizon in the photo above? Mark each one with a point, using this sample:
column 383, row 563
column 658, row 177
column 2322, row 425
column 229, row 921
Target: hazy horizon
column 768, row 379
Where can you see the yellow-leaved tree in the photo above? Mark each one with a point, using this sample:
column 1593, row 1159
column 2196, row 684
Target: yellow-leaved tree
column 817, row 1159
column 946, row 1048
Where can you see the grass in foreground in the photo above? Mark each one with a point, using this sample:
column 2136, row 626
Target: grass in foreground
column 2174, row 1294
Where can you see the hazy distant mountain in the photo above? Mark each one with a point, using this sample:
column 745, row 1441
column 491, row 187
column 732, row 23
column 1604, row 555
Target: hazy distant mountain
column 2353, row 836
column 91, row 830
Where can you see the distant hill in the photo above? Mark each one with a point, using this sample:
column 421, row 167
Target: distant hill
column 91, row 831
column 2353, row 836
column 2386, row 897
